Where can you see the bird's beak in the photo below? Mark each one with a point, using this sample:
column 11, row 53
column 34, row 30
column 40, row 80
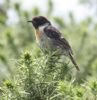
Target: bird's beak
column 29, row 21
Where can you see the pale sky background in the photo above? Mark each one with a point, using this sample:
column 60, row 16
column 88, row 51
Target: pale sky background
column 61, row 8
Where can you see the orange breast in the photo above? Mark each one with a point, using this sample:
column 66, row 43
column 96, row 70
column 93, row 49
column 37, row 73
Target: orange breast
column 38, row 34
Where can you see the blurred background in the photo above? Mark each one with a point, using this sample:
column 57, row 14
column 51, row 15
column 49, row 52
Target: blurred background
column 76, row 19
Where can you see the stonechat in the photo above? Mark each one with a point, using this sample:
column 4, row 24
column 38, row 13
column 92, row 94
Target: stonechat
column 50, row 39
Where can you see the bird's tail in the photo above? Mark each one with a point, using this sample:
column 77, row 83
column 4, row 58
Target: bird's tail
column 73, row 61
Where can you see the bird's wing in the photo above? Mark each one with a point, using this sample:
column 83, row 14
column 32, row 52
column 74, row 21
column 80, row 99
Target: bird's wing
column 66, row 44
column 53, row 33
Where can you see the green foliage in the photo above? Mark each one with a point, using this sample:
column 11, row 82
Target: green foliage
column 37, row 77
column 41, row 78
column 32, row 75
column 36, row 11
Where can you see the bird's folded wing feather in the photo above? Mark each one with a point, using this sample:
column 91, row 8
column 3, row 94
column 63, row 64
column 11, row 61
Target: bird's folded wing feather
column 53, row 33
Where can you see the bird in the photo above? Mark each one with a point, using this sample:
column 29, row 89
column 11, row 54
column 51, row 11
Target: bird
column 50, row 39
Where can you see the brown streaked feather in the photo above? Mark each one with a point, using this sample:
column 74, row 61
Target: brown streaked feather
column 66, row 45
column 53, row 33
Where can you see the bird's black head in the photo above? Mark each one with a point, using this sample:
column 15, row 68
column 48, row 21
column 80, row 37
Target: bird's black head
column 39, row 21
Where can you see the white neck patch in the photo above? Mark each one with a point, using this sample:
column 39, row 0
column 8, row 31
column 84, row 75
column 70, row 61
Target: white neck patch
column 41, row 28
